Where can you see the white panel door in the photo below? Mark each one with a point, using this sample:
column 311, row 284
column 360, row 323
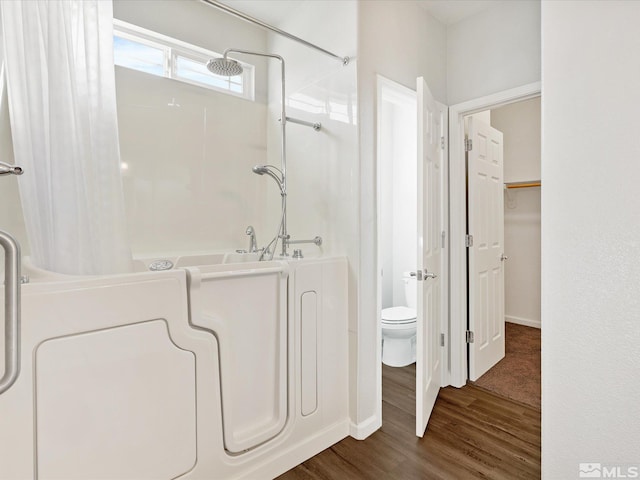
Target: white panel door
column 428, row 365
column 486, row 225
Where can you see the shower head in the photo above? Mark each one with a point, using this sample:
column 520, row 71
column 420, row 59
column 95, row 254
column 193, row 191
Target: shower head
column 224, row 66
column 260, row 169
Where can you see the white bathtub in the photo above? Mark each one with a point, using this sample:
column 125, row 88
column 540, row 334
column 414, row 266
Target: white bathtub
column 155, row 374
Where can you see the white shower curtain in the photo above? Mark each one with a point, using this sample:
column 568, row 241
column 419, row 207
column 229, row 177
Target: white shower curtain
column 61, row 85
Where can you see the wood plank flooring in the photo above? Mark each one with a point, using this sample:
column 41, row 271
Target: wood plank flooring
column 472, row 433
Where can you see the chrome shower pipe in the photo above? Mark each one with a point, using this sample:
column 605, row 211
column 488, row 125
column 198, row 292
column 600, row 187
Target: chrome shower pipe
column 283, row 138
column 248, row 18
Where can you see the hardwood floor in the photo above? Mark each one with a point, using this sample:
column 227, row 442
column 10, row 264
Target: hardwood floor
column 472, row 433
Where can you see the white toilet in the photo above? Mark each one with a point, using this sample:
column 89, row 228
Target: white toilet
column 399, row 328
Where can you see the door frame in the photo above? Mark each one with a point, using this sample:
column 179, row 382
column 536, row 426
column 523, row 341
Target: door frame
column 457, row 374
column 382, row 83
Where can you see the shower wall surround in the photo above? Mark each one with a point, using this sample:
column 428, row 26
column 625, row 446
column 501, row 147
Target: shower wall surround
column 187, row 151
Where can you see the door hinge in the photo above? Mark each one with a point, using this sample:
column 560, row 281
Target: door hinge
column 469, row 336
column 442, row 339
column 468, row 241
column 442, row 143
column 444, row 238
column 468, row 144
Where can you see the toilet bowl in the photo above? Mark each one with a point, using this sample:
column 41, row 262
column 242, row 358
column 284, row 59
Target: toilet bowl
column 399, row 328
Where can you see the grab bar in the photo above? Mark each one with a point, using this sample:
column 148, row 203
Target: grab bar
column 317, row 240
column 317, row 126
column 11, row 311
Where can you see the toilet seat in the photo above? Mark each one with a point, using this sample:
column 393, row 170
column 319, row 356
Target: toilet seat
column 398, row 316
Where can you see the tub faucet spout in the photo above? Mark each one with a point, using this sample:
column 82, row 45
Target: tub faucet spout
column 253, row 244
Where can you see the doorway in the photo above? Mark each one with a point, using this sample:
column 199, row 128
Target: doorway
column 458, row 219
column 504, row 221
column 412, row 233
column 397, row 246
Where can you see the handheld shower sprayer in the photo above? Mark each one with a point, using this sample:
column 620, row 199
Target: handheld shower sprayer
column 268, row 170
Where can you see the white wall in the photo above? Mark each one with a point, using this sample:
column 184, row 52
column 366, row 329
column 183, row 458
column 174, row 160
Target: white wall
column 492, row 51
column 399, row 40
column 398, row 205
column 385, row 240
column 520, row 124
column 590, row 232
column 405, row 194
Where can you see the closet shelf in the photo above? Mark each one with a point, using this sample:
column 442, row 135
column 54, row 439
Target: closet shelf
column 531, row 183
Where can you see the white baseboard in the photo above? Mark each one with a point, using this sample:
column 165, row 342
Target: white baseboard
column 362, row 430
column 287, row 458
column 523, row 321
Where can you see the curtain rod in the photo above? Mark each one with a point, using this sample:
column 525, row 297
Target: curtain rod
column 243, row 16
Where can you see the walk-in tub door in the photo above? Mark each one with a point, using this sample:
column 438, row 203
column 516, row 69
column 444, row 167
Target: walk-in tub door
column 246, row 309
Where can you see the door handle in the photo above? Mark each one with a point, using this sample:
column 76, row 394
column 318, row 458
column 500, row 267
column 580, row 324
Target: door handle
column 423, row 276
column 503, row 257
column 11, row 311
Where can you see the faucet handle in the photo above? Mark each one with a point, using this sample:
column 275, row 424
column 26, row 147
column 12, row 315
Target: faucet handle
column 253, row 244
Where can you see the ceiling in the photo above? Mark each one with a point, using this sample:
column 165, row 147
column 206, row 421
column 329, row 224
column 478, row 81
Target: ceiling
column 272, row 11
column 449, row 12
column 446, row 11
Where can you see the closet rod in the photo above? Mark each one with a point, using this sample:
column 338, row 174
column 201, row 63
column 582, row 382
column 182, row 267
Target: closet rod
column 523, row 184
column 248, row 18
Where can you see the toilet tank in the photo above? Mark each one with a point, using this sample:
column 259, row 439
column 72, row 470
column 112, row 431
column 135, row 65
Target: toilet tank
column 410, row 289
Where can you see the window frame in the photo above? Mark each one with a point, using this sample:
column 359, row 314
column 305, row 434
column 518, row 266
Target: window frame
column 174, row 48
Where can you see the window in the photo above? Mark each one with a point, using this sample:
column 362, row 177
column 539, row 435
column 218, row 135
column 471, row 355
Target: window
column 150, row 52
